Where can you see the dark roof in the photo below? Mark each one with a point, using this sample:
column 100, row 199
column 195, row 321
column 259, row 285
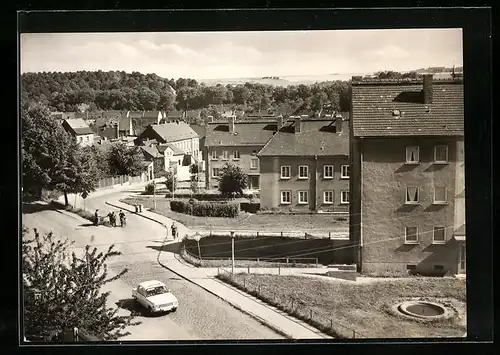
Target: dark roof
column 175, row 113
column 112, row 113
column 79, row 126
column 374, row 102
column 151, row 114
column 246, row 133
column 201, row 131
column 172, row 131
column 317, row 137
column 135, row 114
column 151, row 151
column 177, row 151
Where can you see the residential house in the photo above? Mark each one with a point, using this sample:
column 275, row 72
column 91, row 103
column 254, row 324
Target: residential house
column 79, row 130
column 62, row 115
column 407, row 175
column 152, row 154
column 107, row 128
column 201, row 131
column 139, row 120
column 172, row 155
column 174, row 115
column 305, row 166
column 236, row 142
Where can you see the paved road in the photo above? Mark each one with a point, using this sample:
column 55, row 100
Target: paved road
column 200, row 315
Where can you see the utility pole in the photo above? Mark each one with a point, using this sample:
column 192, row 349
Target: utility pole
column 232, row 252
column 154, row 194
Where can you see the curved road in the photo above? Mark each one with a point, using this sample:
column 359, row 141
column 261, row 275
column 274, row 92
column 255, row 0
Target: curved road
column 200, row 316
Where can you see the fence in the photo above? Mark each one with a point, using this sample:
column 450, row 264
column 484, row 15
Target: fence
column 118, row 180
column 291, row 305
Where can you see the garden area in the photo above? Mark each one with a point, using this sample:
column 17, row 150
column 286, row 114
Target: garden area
column 359, row 310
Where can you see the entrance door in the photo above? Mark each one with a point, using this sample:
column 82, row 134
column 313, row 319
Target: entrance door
column 254, row 182
column 462, row 259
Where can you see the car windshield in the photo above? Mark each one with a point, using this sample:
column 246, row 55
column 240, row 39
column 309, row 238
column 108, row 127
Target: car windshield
column 158, row 290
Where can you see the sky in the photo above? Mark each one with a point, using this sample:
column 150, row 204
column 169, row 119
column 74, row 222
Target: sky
column 217, row 55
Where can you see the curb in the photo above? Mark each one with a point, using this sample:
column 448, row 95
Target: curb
column 259, row 319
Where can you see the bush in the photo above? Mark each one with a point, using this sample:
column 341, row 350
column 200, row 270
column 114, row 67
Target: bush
column 149, row 189
column 206, row 209
column 204, row 196
column 250, row 207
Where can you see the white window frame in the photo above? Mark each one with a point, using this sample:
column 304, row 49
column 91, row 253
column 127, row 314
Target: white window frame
column 342, row 197
column 307, row 172
column 213, row 155
column 300, row 201
column 252, row 160
column 286, row 168
column 436, row 202
column 289, row 194
column 225, row 155
column 236, row 155
column 325, row 169
column 436, row 161
column 215, row 176
column 434, row 241
column 343, row 169
column 410, row 202
column 406, row 236
column 417, row 153
column 325, row 194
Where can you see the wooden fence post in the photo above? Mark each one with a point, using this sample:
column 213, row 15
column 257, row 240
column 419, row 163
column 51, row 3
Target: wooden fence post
column 353, row 334
column 310, row 314
column 331, row 324
column 249, row 269
column 259, row 288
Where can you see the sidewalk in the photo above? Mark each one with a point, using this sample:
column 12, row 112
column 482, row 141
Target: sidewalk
column 205, row 278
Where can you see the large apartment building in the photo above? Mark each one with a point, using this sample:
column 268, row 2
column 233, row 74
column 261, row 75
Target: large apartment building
column 407, row 191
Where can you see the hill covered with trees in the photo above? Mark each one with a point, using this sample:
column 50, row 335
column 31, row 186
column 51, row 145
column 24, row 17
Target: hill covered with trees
column 118, row 90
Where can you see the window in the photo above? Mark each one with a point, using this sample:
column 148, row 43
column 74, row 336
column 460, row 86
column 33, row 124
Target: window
column 214, row 154
column 236, row 155
column 344, row 171
column 254, row 152
column 344, row 197
column 411, row 195
column 440, row 195
column 88, row 138
column 328, row 197
column 303, row 197
column 441, row 154
column 80, row 139
column 225, row 155
column 285, row 172
column 411, row 235
column 412, row 155
column 286, row 197
column 303, row 171
column 215, row 172
column 254, row 163
column 439, row 236
column 328, row 171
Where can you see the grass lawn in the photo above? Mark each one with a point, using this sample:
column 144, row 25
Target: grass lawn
column 361, row 307
column 246, row 221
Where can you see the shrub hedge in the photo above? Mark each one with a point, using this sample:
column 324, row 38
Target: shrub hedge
column 206, row 209
column 205, row 196
column 250, row 207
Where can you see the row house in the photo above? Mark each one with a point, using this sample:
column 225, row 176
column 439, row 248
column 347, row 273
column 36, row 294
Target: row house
column 407, row 210
column 80, row 131
column 236, row 143
column 305, row 166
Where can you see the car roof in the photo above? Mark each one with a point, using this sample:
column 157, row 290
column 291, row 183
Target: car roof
column 151, row 283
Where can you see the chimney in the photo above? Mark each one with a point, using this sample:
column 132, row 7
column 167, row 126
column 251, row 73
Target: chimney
column 338, row 123
column 280, row 122
column 427, row 90
column 298, row 124
column 231, row 123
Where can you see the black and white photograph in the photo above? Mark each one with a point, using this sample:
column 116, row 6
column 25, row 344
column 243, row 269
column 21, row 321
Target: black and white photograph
column 242, row 185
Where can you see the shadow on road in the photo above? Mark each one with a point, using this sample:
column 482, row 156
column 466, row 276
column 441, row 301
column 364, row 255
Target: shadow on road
column 174, row 248
column 34, row 207
column 87, row 225
column 136, row 309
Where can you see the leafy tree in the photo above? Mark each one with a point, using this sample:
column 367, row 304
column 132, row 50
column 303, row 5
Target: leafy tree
column 194, row 170
column 232, row 181
column 62, row 290
column 170, row 180
column 125, row 160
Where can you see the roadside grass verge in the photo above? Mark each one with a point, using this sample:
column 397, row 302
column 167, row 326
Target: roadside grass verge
column 246, row 221
column 347, row 310
column 79, row 211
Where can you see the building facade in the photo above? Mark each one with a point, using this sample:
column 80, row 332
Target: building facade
column 407, row 176
column 236, row 143
column 305, row 166
column 80, row 131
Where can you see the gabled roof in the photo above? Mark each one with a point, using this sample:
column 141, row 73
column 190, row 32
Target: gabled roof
column 106, row 121
column 201, row 131
column 247, row 133
column 78, row 126
column 176, row 150
column 112, row 113
column 317, row 137
column 151, row 151
column 376, row 104
column 151, row 114
column 172, row 131
column 175, row 113
column 135, row 114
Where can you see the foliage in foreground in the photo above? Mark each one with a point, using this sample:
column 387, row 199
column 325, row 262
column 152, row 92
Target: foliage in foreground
column 206, row 209
column 63, row 290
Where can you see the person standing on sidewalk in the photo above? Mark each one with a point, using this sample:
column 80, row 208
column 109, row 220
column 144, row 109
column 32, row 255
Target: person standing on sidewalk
column 96, row 218
column 174, row 230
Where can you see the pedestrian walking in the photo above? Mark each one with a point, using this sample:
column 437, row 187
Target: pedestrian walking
column 174, row 230
column 122, row 218
column 96, row 218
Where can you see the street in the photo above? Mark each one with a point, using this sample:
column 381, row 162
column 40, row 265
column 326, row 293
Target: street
column 200, row 316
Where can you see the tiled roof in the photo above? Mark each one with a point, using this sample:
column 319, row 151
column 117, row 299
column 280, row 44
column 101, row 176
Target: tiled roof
column 135, row 114
column 172, row 131
column 175, row 113
column 317, row 137
column 113, row 113
column 200, row 130
column 246, row 133
column 152, row 151
column 374, row 102
column 151, row 114
column 163, row 147
column 79, row 126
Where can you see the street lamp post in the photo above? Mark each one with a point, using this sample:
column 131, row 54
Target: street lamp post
column 232, row 252
column 154, row 194
column 197, row 237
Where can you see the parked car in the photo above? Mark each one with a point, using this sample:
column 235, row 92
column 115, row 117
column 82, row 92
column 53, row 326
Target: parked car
column 155, row 297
